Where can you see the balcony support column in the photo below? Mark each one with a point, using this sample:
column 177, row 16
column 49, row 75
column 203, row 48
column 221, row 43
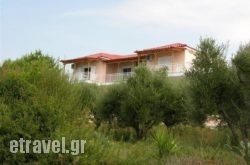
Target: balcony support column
column 88, row 71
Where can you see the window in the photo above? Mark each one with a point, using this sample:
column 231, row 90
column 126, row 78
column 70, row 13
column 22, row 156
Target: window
column 164, row 60
column 86, row 73
column 150, row 57
column 127, row 70
column 126, row 73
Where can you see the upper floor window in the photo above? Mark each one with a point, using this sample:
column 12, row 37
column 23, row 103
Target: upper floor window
column 166, row 60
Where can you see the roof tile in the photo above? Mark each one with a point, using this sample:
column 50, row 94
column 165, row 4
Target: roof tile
column 164, row 47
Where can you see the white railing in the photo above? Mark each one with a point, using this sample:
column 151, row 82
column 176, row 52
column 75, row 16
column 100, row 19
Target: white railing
column 173, row 69
column 88, row 77
column 108, row 79
column 116, row 77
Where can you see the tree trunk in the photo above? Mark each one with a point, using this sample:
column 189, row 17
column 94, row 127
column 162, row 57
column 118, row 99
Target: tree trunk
column 139, row 132
column 236, row 138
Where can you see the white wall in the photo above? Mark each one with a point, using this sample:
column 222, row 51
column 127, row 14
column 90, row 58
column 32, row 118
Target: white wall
column 189, row 56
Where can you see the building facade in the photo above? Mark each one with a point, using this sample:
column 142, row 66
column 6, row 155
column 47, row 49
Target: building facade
column 105, row 68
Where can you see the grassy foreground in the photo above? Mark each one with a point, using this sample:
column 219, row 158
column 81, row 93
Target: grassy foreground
column 180, row 145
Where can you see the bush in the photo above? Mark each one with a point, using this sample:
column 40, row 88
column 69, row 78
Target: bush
column 36, row 100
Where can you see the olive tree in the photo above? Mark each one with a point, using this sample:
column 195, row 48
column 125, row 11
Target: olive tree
column 242, row 65
column 216, row 88
column 212, row 84
column 146, row 99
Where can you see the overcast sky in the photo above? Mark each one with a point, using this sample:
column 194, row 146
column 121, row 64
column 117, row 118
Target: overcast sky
column 73, row 28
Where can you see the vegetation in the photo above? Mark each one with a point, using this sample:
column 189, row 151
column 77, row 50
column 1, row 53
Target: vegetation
column 149, row 119
column 242, row 66
column 165, row 142
column 32, row 94
column 218, row 88
column 143, row 101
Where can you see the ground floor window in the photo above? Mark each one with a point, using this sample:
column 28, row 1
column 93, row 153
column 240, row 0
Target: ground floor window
column 126, row 73
column 86, row 73
column 127, row 70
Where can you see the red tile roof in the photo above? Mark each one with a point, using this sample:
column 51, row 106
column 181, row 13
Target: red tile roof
column 115, row 57
column 125, row 58
column 97, row 56
column 103, row 55
column 164, row 47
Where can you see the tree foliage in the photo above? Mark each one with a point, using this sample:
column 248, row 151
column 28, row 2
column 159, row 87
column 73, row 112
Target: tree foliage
column 36, row 99
column 206, row 75
column 146, row 99
column 216, row 87
column 242, row 65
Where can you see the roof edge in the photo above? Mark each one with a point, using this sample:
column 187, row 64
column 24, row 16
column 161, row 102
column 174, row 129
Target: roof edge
column 164, row 47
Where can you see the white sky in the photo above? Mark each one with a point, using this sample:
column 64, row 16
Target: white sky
column 68, row 29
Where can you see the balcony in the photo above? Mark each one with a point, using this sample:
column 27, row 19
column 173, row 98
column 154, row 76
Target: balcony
column 106, row 79
column 173, row 70
column 116, row 77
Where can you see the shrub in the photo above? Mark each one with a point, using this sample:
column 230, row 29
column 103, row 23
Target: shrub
column 165, row 142
column 37, row 99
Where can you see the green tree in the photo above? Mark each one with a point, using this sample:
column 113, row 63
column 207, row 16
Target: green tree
column 178, row 104
column 215, row 88
column 141, row 102
column 144, row 101
column 242, row 65
column 212, row 84
column 206, row 74
column 108, row 104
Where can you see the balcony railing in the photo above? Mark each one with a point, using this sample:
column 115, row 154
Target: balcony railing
column 116, row 77
column 171, row 67
column 88, row 76
column 106, row 79
column 172, row 70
